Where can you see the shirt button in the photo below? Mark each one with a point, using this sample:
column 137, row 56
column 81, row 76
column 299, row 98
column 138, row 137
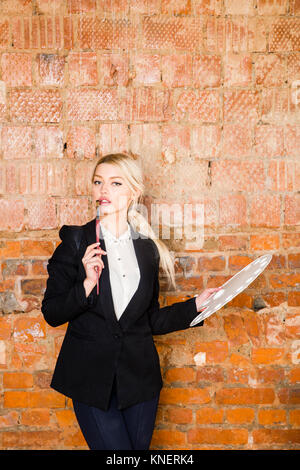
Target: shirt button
column 123, row 275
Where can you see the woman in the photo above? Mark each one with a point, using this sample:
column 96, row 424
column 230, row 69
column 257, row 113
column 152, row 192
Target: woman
column 108, row 363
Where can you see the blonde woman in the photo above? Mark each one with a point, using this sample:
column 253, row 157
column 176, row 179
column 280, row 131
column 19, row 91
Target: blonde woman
column 108, row 364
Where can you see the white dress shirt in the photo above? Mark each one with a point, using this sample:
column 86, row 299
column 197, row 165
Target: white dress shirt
column 123, row 267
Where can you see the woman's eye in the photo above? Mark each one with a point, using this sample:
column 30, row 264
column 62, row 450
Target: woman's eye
column 115, row 182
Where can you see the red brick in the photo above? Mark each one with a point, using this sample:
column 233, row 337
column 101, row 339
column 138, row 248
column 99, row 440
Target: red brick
column 284, row 280
column 175, row 141
column 178, row 415
column 292, row 326
column 184, row 396
column 35, row 105
column 274, row 105
column 240, row 415
column 216, row 351
column 42, row 214
column 241, row 106
column 16, row 69
column 16, row 142
column 73, row 211
column 265, row 211
column 31, row 439
column 271, row 417
column 233, row 210
column 235, row 34
column 206, row 141
column 183, row 8
column 294, row 418
column 180, row 375
column 267, row 355
column 264, row 242
column 237, row 140
column 83, row 68
column 44, row 399
column 176, row 70
column 234, row 175
column 114, row 69
column 270, row 70
column 81, row 143
column 207, row 415
column 166, row 437
column 146, row 69
column 114, row 138
column 210, row 374
column 105, row 33
column 284, row 35
column 198, row 106
column 80, row 6
column 292, row 210
column 102, row 104
column 35, row 417
column 289, row 396
column 276, row 436
column 245, row 396
column 17, row 380
column 218, row 436
column 237, row 70
column 11, row 215
column 269, row 141
column 235, row 330
column 28, row 329
column 173, row 33
column 50, row 68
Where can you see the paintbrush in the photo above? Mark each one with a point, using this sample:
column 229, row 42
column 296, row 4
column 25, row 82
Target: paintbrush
column 97, row 238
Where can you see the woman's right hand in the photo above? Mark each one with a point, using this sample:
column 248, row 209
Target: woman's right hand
column 91, row 260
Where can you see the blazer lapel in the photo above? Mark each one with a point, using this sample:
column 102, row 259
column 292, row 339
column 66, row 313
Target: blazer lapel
column 105, row 300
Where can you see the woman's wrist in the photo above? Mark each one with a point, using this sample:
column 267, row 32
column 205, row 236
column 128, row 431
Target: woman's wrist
column 88, row 286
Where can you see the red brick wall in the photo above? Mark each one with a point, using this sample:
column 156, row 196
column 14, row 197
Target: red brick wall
column 206, row 92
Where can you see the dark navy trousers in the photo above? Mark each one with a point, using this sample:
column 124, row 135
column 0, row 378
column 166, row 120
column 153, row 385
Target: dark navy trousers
column 127, row 429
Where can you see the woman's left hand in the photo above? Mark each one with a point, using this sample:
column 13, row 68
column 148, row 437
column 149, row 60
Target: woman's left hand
column 204, row 296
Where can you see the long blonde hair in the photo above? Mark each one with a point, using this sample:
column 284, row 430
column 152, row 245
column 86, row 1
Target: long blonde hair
column 128, row 163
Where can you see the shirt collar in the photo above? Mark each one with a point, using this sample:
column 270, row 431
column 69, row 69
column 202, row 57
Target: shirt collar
column 109, row 236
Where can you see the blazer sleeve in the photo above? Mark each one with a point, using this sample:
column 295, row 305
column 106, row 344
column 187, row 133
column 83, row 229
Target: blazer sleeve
column 175, row 317
column 64, row 297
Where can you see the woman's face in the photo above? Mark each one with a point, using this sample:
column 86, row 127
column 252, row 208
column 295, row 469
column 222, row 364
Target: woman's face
column 110, row 184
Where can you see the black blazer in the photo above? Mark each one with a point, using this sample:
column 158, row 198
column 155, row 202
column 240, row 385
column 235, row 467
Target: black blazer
column 97, row 347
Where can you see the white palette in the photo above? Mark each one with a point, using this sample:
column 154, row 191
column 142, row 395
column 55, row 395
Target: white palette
column 233, row 287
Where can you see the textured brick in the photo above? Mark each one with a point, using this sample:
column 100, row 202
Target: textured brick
column 202, row 106
column 106, row 33
column 102, row 105
column 237, row 140
column 237, row 70
column 241, row 106
column 35, row 105
column 82, row 68
column 11, row 214
column 146, row 69
column 16, row 142
column 270, row 69
column 81, row 143
column 265, row 211
column 284, row 35
column 174, row 33
column 233, row 175
column 16, row 69
column 50, row 69
column 177, row 70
